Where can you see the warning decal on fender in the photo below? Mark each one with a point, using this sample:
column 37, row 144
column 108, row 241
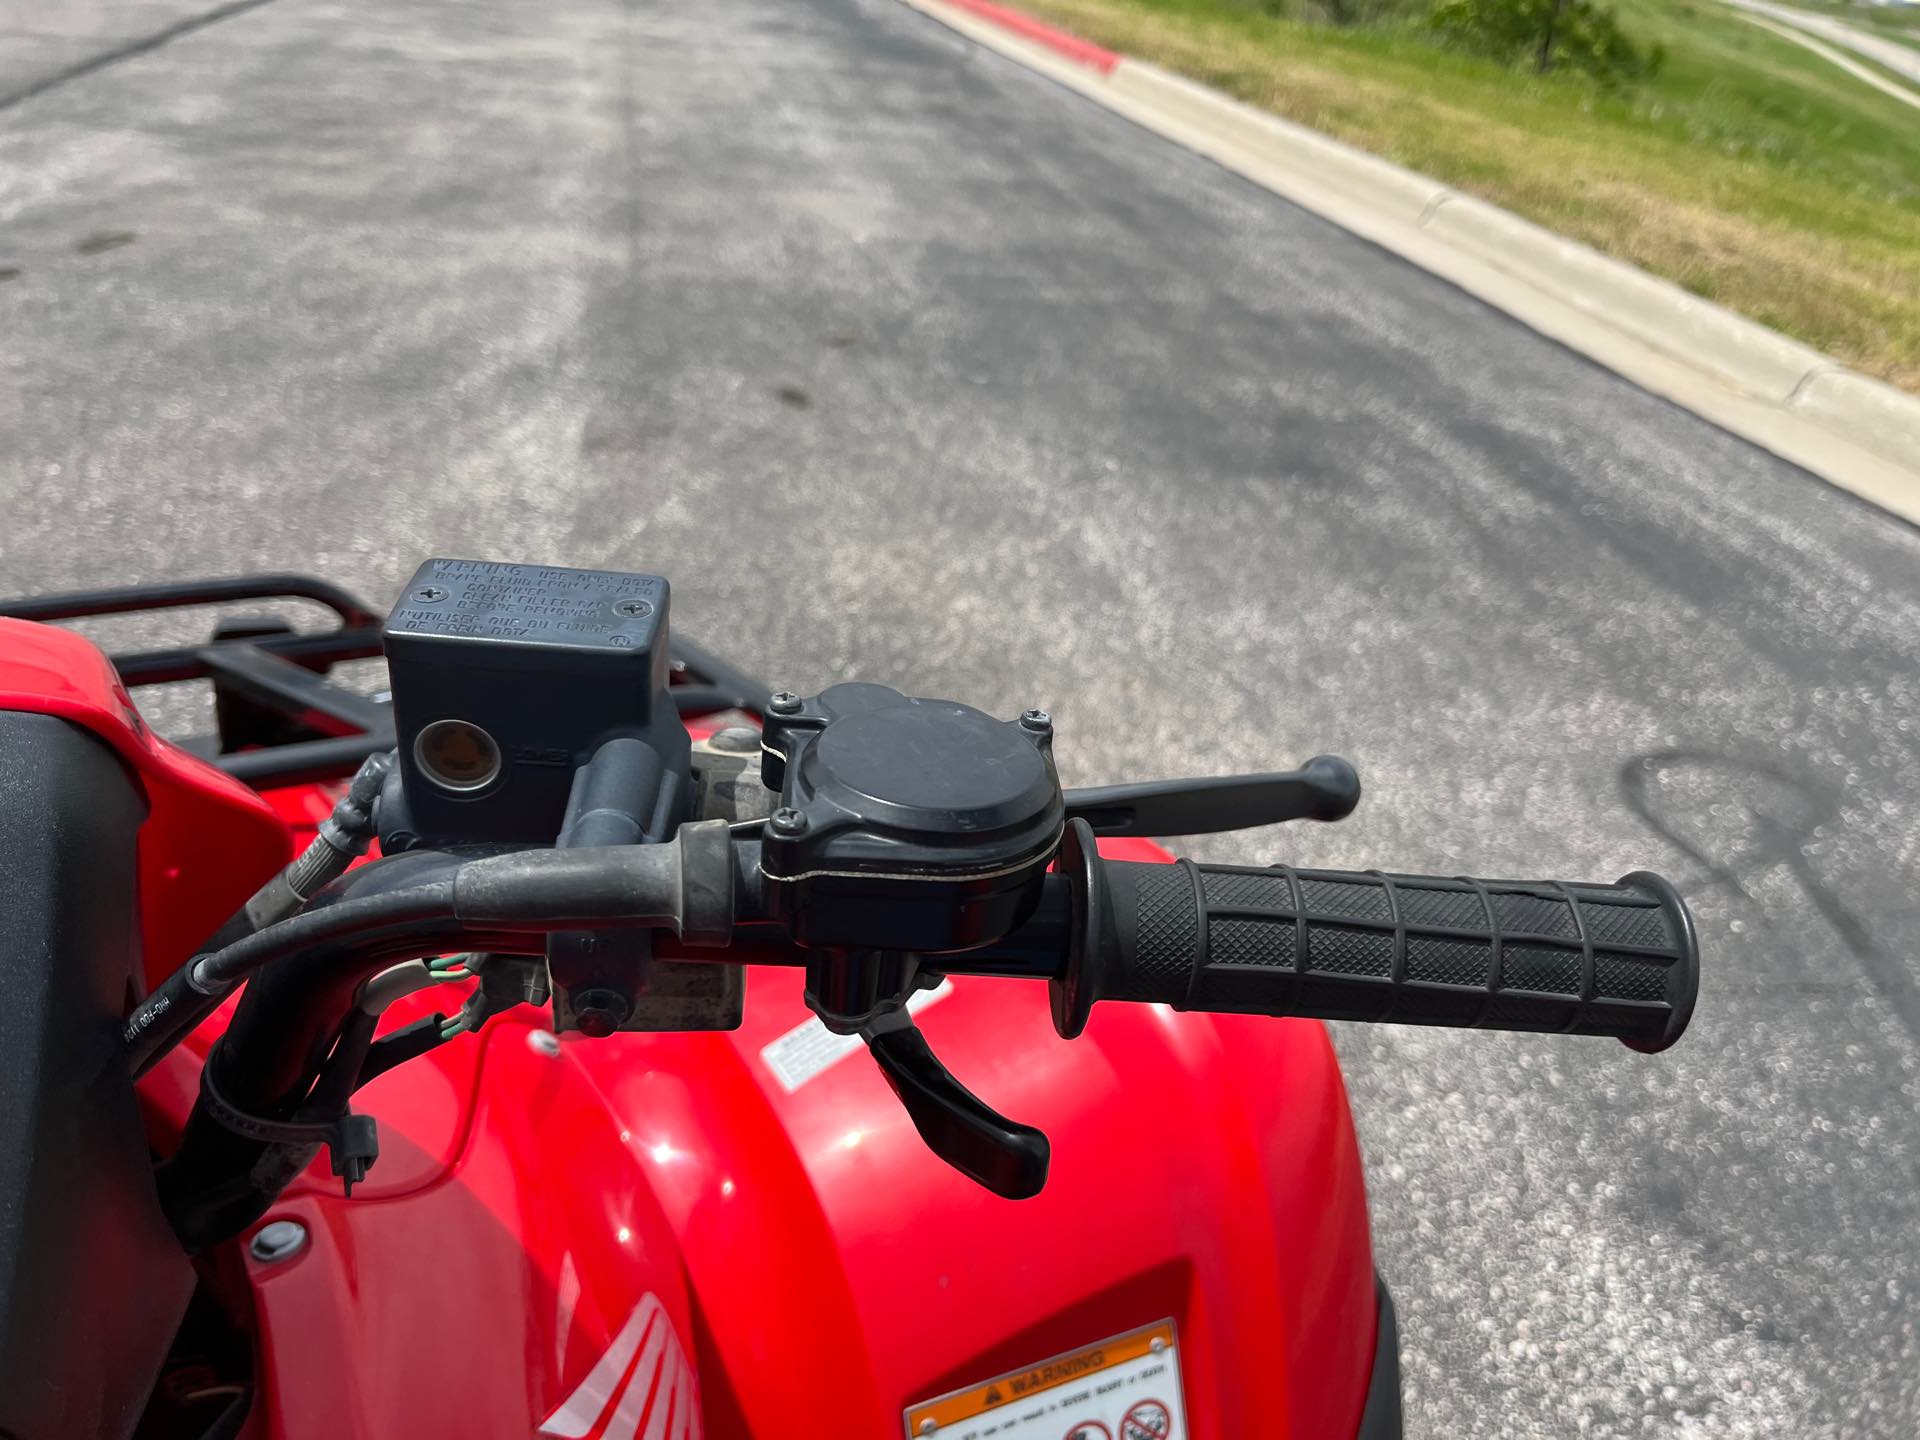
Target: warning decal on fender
column 1126, row 1388
column 809, row 1049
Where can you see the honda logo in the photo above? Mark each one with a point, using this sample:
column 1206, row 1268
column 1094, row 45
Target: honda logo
column 641, row 1389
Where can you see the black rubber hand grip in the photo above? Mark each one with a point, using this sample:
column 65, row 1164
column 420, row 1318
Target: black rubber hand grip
column 1617, row 960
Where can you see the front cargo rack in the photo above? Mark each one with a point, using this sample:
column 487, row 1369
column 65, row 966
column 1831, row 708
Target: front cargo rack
column 281, row 720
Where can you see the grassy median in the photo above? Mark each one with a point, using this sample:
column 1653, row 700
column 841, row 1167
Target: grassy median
column 1748, row 170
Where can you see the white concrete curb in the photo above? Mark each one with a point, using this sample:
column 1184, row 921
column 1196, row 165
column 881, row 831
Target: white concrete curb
column 1856, row 433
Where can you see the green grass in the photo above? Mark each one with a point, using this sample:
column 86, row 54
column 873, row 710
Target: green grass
column 1750, row 171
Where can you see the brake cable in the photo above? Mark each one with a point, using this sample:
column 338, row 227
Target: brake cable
column 685, row 885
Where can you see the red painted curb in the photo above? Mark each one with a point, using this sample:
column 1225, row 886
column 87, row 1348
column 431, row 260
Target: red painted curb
column 1084, row 52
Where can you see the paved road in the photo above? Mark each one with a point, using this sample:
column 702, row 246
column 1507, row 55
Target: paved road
column 1866, row 73
column 908, row 365
column 1903, row 60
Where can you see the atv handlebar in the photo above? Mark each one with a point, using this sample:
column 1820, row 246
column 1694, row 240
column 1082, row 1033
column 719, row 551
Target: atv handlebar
column 876, row 839
column 1615, row 960
column 1555, row 956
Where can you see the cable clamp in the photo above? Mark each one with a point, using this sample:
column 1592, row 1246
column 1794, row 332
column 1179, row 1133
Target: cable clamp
column 353, row 1141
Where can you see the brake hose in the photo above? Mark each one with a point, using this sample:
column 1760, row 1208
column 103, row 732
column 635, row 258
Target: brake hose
column 343, row 837
column 306, row 969
column 685, row 884
column 192, row 992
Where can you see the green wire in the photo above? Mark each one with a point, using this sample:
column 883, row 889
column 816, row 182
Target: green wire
column 452, row 967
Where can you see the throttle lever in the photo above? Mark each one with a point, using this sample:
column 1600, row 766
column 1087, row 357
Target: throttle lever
column 1325, row 788
column 1006, row 1157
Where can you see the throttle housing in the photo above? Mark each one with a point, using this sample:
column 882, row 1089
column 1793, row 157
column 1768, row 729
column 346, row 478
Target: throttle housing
column 905, row 824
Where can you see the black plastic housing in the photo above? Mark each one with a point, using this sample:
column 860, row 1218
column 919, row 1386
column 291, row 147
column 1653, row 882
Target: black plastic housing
column 905, row 824
column 550, row 663
column 92, row 1282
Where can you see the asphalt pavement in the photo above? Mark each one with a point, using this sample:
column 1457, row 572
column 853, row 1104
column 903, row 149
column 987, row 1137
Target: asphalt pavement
column 1903, row 60
column 906, row 364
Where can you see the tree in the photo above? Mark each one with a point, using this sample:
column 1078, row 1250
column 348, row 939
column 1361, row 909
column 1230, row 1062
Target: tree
column 1340, row 12
column 1545, row 61
column 1576, row 34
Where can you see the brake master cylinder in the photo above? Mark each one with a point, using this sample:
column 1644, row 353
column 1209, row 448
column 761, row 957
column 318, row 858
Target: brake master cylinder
column 532, row 707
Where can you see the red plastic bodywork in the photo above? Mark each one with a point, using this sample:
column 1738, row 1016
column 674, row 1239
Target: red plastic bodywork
column 812, row 1262
column 208, row 842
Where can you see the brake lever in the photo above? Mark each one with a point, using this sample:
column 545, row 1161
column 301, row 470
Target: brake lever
column 1006, row 1157
column 1325, row 788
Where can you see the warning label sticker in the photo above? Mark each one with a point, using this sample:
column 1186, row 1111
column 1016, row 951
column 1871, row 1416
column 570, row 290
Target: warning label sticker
column 1126, row 1388
column 809, row 1048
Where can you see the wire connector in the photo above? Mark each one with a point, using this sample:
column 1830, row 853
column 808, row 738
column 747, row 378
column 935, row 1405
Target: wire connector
column 355, row 1145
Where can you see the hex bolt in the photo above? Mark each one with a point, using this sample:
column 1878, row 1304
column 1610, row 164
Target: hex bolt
column 787, row 821
column 278, row 1240
column 599, row 1011
column 1038, row 721
column 784, row 702
column 430, row 594
column 633, row 609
